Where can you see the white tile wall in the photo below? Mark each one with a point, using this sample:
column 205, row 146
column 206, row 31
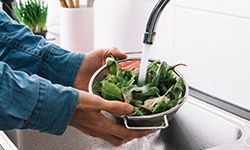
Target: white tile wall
column 216, row 47
column 230, row 7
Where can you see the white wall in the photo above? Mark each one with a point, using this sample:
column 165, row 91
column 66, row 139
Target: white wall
column 210, row 36
column 122, row 23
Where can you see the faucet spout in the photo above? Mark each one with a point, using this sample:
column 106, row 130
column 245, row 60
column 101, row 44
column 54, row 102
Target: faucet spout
column 152, row 21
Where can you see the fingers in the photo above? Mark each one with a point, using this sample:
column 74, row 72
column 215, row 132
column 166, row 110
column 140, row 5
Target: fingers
column 89, row 101
column 116, row 108
column 89, row 119
column 103, row 128
column 122, row 132
column 94, row 102
column 117, row 53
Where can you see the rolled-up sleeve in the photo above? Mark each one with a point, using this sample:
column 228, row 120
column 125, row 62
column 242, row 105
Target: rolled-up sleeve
column 36, row 79
column 34, row 102
column 23, row 51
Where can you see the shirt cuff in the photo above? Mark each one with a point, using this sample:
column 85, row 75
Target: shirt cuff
column 54, row 109
column 60, row 66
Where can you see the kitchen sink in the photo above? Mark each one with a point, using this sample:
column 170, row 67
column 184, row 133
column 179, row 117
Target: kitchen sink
column 197, row 125
column 194, row 128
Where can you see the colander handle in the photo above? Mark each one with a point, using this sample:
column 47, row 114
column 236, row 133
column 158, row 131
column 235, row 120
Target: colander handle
column 164, row 125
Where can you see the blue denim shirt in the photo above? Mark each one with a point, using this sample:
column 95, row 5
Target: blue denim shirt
column 35, row 80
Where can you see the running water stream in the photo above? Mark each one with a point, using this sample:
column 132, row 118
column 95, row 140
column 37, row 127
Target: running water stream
column 144, row 64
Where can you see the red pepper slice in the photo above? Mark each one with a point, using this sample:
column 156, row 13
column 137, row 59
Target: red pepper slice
column 129, row 64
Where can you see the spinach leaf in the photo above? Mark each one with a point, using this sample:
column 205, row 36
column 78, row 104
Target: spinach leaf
column 158, row 104
column 97, row 87
column 178, row 90
column 112, row 66
column 166, row 84
column 160, row 74
column 151, row 71
column 137, row 112
column 110, row 91
column 135, row 102
column 142, row 93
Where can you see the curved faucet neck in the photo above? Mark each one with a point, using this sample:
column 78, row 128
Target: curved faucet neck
column 152, row 21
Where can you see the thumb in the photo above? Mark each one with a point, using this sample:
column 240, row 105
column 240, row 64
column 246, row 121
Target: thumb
column 118, row 54
column 117, row 108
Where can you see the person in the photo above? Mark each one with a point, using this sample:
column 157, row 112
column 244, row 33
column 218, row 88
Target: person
column 44, row 87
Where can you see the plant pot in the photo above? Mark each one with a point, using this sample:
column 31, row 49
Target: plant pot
column 43, row 33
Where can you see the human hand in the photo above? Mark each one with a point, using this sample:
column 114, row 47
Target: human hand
column 94, row 60
column 88, row 119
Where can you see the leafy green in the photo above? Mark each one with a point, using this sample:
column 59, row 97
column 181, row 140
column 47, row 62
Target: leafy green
column 110, row 91
column 177, row 90
column 162, row 91
column 32, row 13
column 112, row 67
column 141, row 93
column 137, row 112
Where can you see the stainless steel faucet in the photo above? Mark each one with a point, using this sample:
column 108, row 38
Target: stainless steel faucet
column 152, row 21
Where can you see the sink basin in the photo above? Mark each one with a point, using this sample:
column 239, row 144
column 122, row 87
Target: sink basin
column 197, row 125
column 194, row 128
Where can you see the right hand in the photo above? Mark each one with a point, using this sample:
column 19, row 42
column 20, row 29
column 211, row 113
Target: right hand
column 89, row 119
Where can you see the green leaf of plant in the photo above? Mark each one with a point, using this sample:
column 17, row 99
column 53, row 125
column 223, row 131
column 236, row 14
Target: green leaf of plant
column 136, row 102
column 32, row 13
column 151, row 71
column 166, row 84
column 171, row 104
column 142, row 93
column 112, row 66
column 158, row 104
column 98, row 87
column 178, row 90
column 110, row 91
column 137, row 112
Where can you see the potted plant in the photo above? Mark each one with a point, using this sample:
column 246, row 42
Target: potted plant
column 32, row 13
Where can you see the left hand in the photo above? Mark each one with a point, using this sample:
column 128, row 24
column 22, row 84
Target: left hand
column 89, row 119
column 94, row 60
